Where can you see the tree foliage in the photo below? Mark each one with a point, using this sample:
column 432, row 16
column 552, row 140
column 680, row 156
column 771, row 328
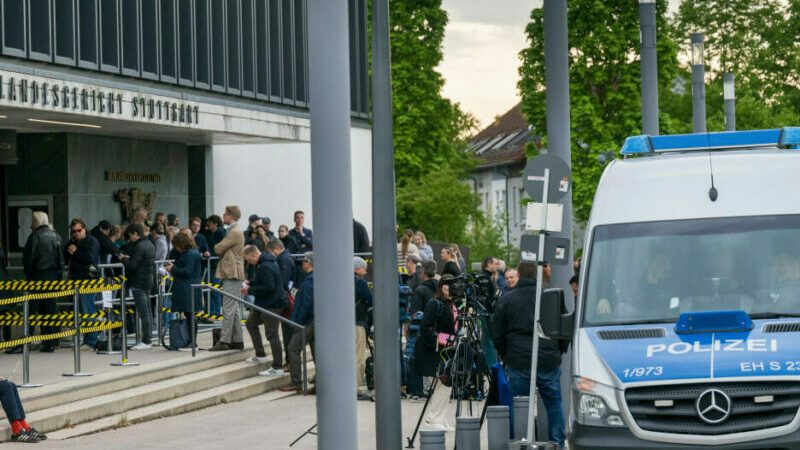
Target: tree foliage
column 486, row 236
column 429, row 130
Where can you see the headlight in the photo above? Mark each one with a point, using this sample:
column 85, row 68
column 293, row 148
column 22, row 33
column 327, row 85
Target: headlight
column 596, row 404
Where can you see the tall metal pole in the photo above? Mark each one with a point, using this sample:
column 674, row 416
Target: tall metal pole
column 649, row 59
column 698, row 83
column 556, row 59
column 729, row 96
column 388, row 420
column 332, row 201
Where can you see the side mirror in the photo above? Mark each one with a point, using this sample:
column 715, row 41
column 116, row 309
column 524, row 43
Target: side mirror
column 556, row 324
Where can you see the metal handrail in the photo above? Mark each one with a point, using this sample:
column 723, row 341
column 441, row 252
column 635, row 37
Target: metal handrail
column 282, row 319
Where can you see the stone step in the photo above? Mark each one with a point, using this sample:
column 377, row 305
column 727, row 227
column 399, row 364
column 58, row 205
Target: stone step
column 88, row 409
column 229, row 392
column 73, row 390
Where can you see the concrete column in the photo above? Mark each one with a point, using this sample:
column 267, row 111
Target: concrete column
column 520, row 417
column 698, row 83
column 498, row 427
column 388, row 419
column 649, row 60
column 468, row 433
column 331, row 193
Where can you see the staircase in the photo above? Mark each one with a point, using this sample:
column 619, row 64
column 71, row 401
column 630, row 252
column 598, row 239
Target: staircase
column 138, row 394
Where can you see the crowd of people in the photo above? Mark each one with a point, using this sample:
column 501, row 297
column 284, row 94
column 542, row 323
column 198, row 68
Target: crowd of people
column 276, row 274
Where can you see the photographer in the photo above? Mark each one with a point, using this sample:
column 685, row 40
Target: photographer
column 255, row 234
column 436, row 332
column 513, row 329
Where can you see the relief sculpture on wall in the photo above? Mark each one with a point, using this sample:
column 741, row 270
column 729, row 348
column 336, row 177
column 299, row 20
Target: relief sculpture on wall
column 131, row 198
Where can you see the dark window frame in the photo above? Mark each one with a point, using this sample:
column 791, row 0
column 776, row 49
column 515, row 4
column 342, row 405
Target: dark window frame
column 276, row 97
column 167, row 78
column 73, row 33
column 250, row 17
column 262, row 50
column 84, row 63
column 197, row 83
column 122, row 33
column 303, row 63
column 34, row 55
column 145, row 74
column 288, row 98
column 11, row 51
column 224, row 46
column 228, row 89
column 181, row 80
column 103, row 44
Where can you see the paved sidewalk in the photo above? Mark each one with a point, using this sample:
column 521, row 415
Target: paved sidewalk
column 271, row 421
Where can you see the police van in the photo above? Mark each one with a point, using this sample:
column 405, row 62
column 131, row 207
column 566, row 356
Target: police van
column 688, row 320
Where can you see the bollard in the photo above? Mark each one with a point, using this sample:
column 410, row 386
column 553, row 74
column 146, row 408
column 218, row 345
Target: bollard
column 468, row 433
column 432, row 440
column 76, row 340
column 26, row 351
column 520, row 417
column 498, row 427
column 124, row 341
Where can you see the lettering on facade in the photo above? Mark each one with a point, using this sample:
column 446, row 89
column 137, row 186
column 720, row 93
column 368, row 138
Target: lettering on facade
column 106, row 102
column 130, row 176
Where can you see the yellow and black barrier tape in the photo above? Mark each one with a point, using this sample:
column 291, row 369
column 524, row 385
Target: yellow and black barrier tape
column 63, row 315
column 48, row 323
column 47, row 337
column 57, row 294
column 52, row 285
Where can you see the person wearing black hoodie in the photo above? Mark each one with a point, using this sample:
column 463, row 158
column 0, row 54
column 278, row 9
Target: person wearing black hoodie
column 109, row 253
column 513, row 338
column 266, row 286
column 287, row 267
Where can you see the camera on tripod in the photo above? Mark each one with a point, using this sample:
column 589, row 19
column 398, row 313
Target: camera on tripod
column 475, row 289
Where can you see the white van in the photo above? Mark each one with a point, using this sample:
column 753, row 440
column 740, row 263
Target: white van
column 688, row 320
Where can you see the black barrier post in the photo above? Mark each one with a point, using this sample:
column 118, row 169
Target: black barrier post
column 26, row 351
column 76, row 319
column 124, row 332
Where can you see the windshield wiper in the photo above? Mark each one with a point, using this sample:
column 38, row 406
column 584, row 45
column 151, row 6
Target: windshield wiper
column 772, row 315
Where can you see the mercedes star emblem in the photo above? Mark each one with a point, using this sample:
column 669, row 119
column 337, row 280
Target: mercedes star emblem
column 713, row 406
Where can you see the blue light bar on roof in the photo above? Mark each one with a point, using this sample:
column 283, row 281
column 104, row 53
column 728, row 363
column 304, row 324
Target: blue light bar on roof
column 780, row 137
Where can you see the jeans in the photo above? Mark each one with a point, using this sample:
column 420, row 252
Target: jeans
column 295, row 353
column 87, row 306
column 548, row 382
column 9, row 397
column 143, row 312
column 215, row 303
column 256, row 318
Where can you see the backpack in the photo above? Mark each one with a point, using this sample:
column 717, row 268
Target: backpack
column 179, row 334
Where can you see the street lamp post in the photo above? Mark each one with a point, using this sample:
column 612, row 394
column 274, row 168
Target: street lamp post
column 729, row 96
column 649, row 60
column 698, row 83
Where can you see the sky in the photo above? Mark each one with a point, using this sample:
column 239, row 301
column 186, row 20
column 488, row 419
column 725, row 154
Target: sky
column 481, row 53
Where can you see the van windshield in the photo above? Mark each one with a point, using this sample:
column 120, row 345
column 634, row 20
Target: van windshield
column 652, row 272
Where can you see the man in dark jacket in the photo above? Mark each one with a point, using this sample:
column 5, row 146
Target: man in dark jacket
column 426, row 288
column 301, row 234
column 286, row 266
column 363, row 319
column 302, row 314
column 139, row 260
column 513, row 338
column 266, row 286
column 108, row 251
column 214, row 234
column 360, row 237
column 82, row 255
column 42, row 259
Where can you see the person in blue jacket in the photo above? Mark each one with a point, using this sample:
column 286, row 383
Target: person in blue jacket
column 302, row 314
column 186, row 271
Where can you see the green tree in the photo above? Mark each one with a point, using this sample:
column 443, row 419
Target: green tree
column 430, row 131
column 486, row 236
column 440, row 204
column 605, row 74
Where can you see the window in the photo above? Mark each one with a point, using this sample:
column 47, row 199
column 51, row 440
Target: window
column 262, row 50
column 14, row 28
column 363, row 92
column 300, row 51
column 218, row 45
column 234, row 48
column 109, row 35
column 275, row 50
column 248, row 50
column 64, row 21
column 169, row 71
column 185, row 32
column 130, row 37
column 355, row 79
column 39, row 14
column 150, row 39
column 202, row 50
column 288, row 51
column 87, row 34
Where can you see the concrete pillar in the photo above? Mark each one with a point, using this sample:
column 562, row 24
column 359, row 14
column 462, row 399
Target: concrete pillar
column 649, row 60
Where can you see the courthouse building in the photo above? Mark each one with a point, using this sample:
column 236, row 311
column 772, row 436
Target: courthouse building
column 182, row 106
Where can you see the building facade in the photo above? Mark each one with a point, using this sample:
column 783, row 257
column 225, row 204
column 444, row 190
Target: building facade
column 497, row 178
column 182, row 106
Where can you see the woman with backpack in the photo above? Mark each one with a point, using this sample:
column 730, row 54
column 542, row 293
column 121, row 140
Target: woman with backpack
column 186, row 271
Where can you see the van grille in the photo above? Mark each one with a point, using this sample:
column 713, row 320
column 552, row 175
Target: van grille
column 746, row 414
column 786, row 327
column 645, row 333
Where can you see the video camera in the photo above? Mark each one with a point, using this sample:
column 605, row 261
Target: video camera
column 476, row 289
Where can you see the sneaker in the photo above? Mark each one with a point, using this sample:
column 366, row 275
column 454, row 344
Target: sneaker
column 36, row 433
column 271, row 372
column 26, row 437
column 256, row 360
column 220, row 346
column 141, row 346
